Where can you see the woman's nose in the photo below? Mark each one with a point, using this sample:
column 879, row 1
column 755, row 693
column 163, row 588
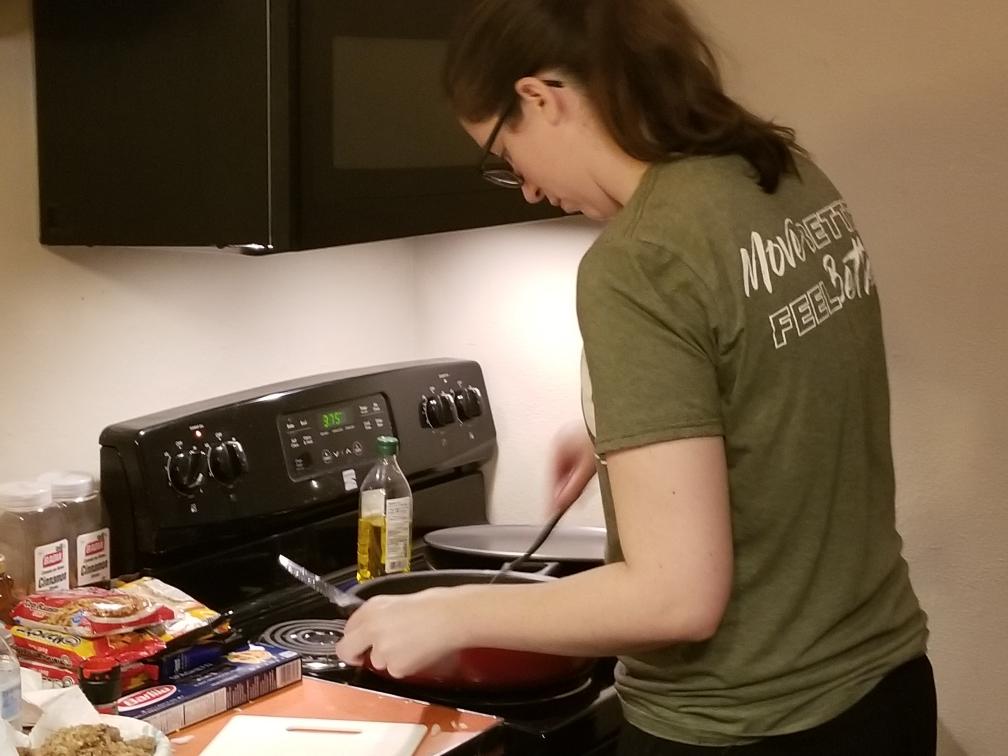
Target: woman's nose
column 532, row 193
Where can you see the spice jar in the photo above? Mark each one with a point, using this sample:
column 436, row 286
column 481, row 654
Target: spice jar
column 101, row 683
column 33, row 537
column 7, row 599
column 88, row 531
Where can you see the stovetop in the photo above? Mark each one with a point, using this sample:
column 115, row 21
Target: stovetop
column 580, row 717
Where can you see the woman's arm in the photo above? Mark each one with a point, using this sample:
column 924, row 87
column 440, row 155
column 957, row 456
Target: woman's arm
column 671, row 502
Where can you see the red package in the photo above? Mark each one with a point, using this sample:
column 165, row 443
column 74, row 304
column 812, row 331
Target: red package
column 53, row 676
column 133, row 676
column 71, row 651
column 89, row 612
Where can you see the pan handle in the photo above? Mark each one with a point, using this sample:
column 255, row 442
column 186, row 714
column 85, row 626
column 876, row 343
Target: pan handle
column 547, row 570
column 347, row 604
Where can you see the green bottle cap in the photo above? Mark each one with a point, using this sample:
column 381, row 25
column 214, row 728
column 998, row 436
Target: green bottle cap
column 388, row 445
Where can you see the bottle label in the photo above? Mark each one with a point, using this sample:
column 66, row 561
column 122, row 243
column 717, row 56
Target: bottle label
column 397, row 533
column 52, row 566
column 372, row 502
column 93, row 557
column 10, row 698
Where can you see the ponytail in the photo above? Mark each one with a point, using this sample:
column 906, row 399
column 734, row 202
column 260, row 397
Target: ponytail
column 644, row 65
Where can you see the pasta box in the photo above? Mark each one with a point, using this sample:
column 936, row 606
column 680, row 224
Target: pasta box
column 250, row 671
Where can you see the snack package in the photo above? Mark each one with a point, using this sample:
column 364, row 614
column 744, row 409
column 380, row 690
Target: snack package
column 89, row 612
column 71, row 651
column 190, row 619
column 133, row 676
column 52, row 676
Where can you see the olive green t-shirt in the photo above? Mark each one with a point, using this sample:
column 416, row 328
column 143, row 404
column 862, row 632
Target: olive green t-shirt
column 710, row 308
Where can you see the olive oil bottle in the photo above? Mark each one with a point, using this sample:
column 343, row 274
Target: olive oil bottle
column 385, row 523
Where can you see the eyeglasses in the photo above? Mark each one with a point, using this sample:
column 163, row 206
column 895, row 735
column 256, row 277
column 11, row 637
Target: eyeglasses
column 497, row 170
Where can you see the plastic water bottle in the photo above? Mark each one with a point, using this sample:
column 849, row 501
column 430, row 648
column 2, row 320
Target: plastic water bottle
column 10, row 681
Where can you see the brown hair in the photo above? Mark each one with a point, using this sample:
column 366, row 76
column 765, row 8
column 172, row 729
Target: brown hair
column 644, row 65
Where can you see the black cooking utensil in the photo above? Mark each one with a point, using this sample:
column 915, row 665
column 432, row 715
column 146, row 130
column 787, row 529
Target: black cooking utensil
column 543, row 535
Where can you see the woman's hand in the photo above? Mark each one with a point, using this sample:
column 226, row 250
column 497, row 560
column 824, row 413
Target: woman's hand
column 573, row 465
column 404, row 634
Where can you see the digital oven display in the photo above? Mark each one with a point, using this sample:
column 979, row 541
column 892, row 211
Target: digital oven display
column 332, row 419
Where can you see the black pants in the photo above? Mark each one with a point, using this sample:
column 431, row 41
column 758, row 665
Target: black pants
column 897, row 718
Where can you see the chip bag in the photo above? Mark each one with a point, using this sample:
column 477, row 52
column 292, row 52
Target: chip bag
column 89, row 612
column 71, row 651
column 190, row 619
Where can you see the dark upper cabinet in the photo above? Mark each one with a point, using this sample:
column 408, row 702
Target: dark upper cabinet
column 272, row 126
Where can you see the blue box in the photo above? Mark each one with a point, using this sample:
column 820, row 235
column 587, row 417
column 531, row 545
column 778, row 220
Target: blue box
column 250, row 671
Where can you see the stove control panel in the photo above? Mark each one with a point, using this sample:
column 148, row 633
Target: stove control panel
column 327, row 439
column 218, row 469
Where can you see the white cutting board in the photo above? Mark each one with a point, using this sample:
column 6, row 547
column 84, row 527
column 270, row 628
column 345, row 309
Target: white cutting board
column 271, row 736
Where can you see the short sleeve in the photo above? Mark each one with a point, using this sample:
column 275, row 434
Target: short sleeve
column 649, row 346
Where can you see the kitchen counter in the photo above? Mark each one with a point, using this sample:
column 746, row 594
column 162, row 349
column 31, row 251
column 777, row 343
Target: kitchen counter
column 449, row 730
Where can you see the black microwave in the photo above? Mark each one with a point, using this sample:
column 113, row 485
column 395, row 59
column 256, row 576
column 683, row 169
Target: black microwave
column 266, row 125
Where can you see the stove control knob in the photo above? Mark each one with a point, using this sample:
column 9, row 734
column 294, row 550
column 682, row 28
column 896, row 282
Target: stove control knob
column 461, row 410
column 228, row 461
column 446, row 408
column 187, row 470
column 473, row 401
column 430, row 412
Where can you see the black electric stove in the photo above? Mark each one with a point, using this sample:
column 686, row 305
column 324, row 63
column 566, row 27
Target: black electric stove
column 207, row 495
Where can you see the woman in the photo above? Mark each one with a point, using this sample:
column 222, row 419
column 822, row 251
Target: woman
column 736, row 395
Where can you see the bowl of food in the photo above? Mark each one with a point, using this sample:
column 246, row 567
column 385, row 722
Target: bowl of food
column 113, row 736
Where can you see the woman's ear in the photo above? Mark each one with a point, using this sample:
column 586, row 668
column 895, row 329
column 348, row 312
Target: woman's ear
column 538, row 97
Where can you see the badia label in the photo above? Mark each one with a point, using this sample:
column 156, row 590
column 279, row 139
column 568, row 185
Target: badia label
column 93, row 557
column 52, row 566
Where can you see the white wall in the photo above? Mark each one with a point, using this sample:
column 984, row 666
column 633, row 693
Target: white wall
column 91, row 336
column 505, row 297
column 904, row 103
